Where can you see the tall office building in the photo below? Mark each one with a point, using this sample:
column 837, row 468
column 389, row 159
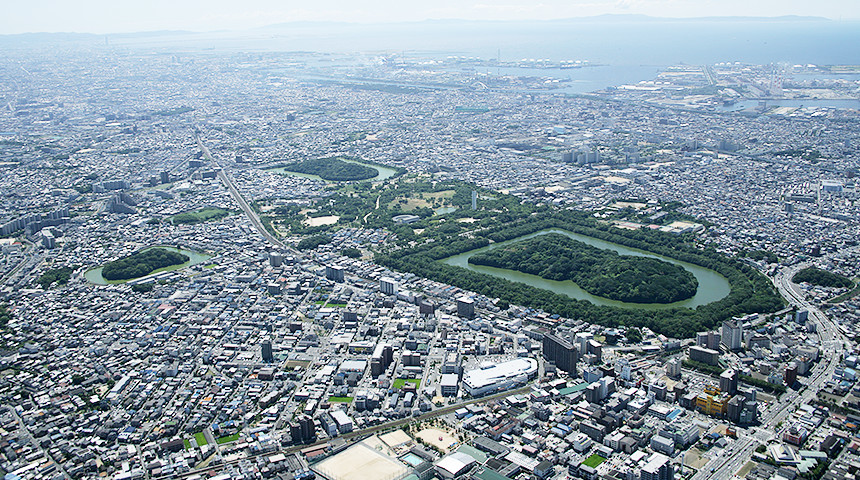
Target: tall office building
column 388, row 286
column 276, row 259
column 465, row 307
column 708, row 340
column 266, row 351
column 704, row 355
column 673, row 368
column 560, row 351
column 335, row 273
column 729, row 382
column 732, row 335
column 790, row 375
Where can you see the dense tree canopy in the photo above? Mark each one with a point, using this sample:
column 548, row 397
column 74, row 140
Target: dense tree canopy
column 351, row 252
column 817, row 276
column 5, row 316
column 61, row 275
column 750, row 291
column 598, row 271
column 199, row 216
column 142, row 263
column 313, row 242
column 333, row 169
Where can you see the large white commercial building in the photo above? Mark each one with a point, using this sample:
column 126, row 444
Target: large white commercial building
column 497, row 377
column 732, row 334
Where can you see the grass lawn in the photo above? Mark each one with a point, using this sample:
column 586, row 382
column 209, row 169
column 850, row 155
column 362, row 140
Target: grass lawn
column 228, row 439
column 400, row 382
column 199, row 216
column 325, row 303
column 340, row 399
column 594, row 460
column 187, row 443
column 201, row 439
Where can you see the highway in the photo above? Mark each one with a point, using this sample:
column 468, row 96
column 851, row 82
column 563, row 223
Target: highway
column 237, row 197
column 832, row 342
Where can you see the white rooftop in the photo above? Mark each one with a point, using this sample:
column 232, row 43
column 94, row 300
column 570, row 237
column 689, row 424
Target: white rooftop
column 455, row 463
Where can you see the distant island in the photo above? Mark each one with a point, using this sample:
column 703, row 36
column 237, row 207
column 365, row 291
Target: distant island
column 333, row 169
column 598, row 271
column 142, row 263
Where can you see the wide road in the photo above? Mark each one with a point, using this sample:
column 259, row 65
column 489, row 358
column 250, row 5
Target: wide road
column 238, row 198
column 833, row 342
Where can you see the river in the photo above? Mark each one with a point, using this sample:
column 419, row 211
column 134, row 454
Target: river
column 712, row 285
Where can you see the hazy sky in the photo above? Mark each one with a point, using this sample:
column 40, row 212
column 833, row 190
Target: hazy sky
column 116, row 16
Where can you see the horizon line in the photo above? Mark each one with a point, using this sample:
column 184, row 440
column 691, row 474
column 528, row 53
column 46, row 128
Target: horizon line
column 615, row 16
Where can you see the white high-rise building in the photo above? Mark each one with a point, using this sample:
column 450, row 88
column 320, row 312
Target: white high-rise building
column 658, row 468
column 388, row 286
column 732, row 335
column 673, row 368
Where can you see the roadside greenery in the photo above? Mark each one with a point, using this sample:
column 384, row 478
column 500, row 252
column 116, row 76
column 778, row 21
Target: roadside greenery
column 768, row 257
column 5, row 316
column 634, row 335
column 142, row 287
column 6, row 342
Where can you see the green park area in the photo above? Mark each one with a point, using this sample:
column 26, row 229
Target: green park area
column 142, row 263
column 227, row 439
column 333, row 169
column 650, row 285
column 198, row 216
column 401, row 382
column 60, row 276
column 822, row 278
column 200, row 438
column 340, row 399
column 593, row 461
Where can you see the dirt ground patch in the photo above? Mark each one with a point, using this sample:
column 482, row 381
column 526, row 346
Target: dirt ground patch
column 747, row 468
column 440, row 439
column 318, row 221
column 359, row 462
column 693, row 458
